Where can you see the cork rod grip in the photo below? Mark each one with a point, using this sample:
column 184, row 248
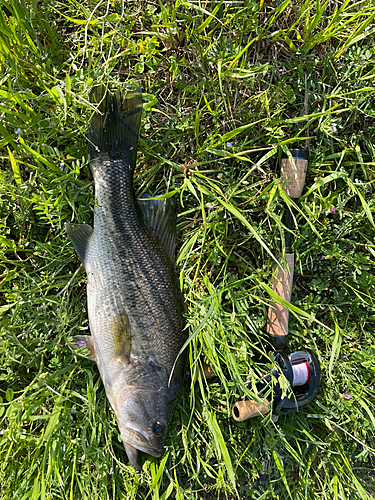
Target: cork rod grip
column 278, row 316
column 242, row 410
column 293, row 176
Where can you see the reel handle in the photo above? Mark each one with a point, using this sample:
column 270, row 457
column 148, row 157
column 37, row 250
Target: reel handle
column 242, row 410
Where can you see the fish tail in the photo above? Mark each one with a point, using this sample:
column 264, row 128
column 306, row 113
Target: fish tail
column 114, row 128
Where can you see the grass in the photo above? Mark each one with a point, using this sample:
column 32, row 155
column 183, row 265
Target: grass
column 224, row 94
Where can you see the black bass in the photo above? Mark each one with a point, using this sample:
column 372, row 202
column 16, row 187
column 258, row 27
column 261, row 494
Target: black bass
column 135, row 306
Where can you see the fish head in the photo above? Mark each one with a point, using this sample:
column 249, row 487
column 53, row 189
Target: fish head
column 143, row 422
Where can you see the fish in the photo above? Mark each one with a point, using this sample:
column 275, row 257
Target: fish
column 135, row 306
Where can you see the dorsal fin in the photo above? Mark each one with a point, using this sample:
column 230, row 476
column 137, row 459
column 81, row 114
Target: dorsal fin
column 161, row 217
column 79, row 235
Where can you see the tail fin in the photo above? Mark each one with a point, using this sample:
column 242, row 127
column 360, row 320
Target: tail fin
column 114, row 128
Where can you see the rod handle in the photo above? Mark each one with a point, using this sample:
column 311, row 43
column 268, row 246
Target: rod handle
column 292, row 176
column 278, row 316
column 242, row 410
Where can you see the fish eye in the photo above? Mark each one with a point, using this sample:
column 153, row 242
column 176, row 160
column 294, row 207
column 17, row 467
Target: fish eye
column 158, row 428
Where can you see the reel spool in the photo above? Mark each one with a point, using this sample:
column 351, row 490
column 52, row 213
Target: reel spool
column 302, row 370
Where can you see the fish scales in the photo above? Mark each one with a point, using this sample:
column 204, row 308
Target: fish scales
column 135, row 306
column 126, row 273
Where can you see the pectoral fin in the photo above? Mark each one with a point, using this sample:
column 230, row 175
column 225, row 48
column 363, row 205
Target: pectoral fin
column 84, row 346
column 121, row 337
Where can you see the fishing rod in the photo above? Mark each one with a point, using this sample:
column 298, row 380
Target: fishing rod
column 300, row 368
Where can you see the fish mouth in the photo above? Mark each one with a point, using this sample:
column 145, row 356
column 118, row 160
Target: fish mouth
column 135, row 437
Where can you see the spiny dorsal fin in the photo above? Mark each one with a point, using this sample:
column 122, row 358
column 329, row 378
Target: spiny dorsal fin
column 114, row 128
column 161, row 217
column 79, row 235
